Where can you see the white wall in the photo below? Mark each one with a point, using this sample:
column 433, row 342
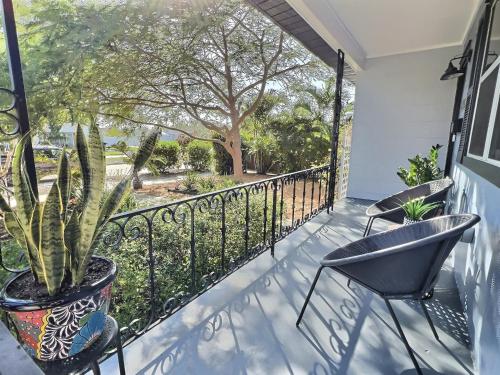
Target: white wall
column 401, row 109
column 477, row 266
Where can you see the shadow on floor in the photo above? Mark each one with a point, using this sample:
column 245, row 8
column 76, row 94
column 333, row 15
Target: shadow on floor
column 234, row 323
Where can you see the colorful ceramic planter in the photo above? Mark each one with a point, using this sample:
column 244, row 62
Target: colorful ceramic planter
column 64, row 325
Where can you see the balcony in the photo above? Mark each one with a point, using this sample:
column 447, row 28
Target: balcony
column 246, row 323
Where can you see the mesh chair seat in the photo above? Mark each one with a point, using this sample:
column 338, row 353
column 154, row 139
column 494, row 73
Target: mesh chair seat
column 407, row 255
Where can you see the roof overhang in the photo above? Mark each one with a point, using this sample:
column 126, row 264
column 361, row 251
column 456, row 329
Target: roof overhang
column 366, row 29
column 285, row 16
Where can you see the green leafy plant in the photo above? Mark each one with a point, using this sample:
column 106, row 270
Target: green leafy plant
column 58, row 235
column 415, row 209
column 199, row 155
column 422, row 168
column 165, row 156
column 190, row 181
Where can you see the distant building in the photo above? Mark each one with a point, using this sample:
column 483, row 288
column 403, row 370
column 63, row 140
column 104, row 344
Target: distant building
column 110, row 136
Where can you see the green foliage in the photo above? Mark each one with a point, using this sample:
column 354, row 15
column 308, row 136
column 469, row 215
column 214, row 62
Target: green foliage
column 172, row 249
column 422, row 168
column 302, row 141
column 262, row 144
column 213, row 183
column 199, row 155
column 190, row 181
column 416, row 209
column 57, row 236
column 80, row 52
column 223, row 160
column 165, row 156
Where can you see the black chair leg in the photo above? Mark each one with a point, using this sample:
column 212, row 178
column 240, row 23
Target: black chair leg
column 95, row 368
column 309, row 296
column 403, row 337
column 368, row 226
column 429, row 320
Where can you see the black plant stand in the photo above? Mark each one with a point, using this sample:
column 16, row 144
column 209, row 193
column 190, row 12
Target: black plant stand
column 90, row 356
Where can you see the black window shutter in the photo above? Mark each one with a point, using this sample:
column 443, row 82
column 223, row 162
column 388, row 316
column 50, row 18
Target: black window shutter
column 466, row 125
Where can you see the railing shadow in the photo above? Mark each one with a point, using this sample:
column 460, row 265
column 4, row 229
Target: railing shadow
column 246, row 333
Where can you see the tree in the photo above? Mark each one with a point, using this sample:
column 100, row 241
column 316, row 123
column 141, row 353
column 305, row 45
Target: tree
column 210, row 64
column 261, row 141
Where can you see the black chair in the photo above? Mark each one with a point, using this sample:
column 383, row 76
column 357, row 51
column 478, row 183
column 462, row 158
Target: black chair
column 402, row 263
column 390, row 208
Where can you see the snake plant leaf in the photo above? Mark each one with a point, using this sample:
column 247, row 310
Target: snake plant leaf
column 64, row 180
column 83, row 156
column 71, row 237
column 4, row 206
column 22, row 190
column 33, row 240
column 13, row 227
column 90, row 214
column 51, row 248
column 113, row 201
column 145, row 149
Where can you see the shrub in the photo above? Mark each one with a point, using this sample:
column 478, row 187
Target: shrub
column 165, row 156
column 190, row 181
column 199, row 155
column 172, row 249
column 422, row 168
column 223, row 160
column 213, row 183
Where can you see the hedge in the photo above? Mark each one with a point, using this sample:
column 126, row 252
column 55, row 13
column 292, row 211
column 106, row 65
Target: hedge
column 199, row 155
column 165, row 156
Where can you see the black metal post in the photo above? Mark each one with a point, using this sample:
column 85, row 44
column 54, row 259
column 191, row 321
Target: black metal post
column 273, row 216
column 335, row 129
column 16, row 78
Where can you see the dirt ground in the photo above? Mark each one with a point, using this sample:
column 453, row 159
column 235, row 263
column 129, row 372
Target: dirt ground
column 306, row 201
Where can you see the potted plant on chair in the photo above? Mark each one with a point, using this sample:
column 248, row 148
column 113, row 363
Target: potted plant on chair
column 416, row 209
column 59, row 305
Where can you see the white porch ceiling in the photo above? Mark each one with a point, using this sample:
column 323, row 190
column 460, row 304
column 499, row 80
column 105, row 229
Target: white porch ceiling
column 375, row 28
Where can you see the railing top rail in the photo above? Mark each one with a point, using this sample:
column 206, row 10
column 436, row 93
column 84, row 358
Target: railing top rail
column 211, row 194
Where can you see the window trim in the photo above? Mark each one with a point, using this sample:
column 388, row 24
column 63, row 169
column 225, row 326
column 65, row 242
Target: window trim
column 483, row 75
column 491, row 121
column 491, row 15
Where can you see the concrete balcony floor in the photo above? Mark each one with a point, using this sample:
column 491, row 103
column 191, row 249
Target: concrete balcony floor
column 246, row 323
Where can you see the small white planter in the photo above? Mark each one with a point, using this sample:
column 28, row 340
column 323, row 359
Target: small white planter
column 407, row 221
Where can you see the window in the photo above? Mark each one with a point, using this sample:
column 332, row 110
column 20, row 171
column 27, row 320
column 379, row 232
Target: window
column 483, row 114
column 484, row 142
column 493, row 44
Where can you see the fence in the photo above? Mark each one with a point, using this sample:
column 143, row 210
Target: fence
column 169, row 254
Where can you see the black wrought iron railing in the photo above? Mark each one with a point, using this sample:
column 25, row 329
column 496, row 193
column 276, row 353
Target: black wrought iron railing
column 169, row 254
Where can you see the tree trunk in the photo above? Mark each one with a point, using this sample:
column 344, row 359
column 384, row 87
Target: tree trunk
column 136, row 181
column 237, row 162
column 233, row 146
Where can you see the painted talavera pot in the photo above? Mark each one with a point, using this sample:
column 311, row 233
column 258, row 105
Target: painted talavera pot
column 64, row 325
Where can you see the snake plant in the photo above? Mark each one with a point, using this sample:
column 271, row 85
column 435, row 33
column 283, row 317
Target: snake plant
column 57, row 236
column 416, row 209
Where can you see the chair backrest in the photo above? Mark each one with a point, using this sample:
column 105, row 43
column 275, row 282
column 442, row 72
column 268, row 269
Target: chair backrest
column 433, row 192
column 406, row 261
